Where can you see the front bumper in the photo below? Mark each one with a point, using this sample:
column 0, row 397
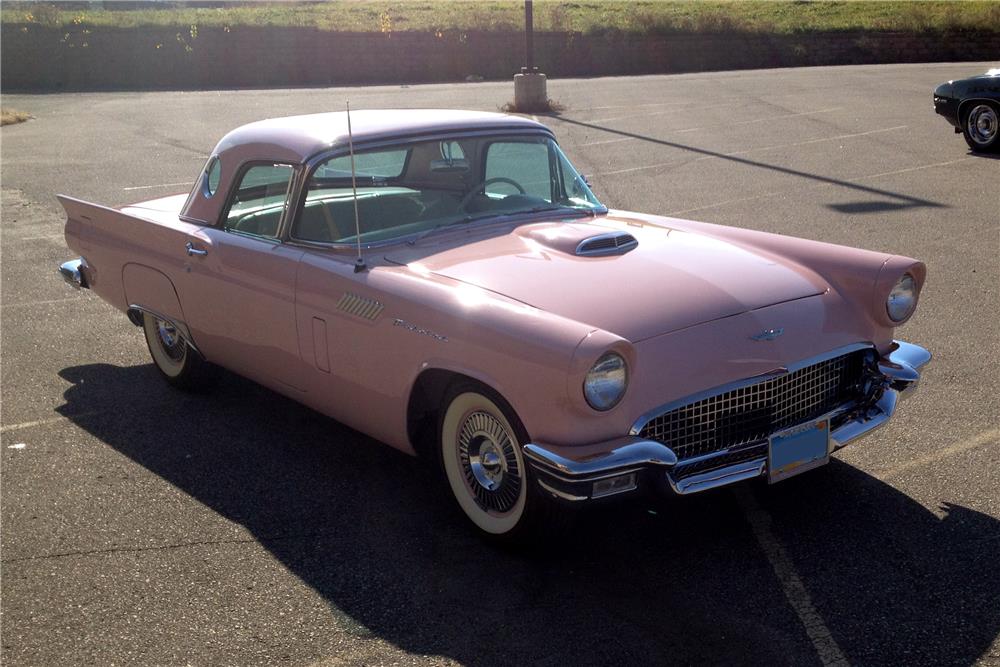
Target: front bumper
column 947, row 106
column 627, row 464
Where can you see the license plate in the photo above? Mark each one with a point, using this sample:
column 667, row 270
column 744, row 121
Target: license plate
column 798, row 449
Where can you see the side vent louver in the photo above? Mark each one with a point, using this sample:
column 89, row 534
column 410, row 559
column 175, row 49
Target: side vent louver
column 360, row 306
column 615, row 243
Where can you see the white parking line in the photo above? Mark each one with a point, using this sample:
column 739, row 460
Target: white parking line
column 791, row 583
column 856, row 179
column 43, row 422
column 989, row 436
column 704, row 127
column 753, row 150
column 768, row 119
column 633, row 106
column 161, row 185
column 681, row 106
column 50, row 237
column 23, row 304
column 810, row 141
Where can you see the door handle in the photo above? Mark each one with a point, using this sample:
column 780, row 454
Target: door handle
column 191, row 250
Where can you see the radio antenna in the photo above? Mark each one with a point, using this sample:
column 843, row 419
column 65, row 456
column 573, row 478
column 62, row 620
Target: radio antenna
column 359, row 263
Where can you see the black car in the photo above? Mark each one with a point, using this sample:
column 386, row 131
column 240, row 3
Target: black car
column 973, row 106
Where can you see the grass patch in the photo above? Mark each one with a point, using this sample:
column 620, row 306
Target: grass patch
column 588, row 16
column 12, row 116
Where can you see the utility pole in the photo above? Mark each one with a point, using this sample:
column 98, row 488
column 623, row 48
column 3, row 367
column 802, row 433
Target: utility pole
column 530, row 92
column 529, row 38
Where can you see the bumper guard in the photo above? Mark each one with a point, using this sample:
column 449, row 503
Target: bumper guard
column 73, row 273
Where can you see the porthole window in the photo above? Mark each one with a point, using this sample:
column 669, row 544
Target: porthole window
column 213, row 171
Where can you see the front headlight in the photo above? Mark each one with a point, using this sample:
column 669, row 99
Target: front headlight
column 902, row 299
column 606, row 382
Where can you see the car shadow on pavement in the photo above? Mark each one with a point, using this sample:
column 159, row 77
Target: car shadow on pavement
column 658, row 581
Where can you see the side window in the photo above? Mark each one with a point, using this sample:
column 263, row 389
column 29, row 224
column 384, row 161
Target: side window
column 524, row 163
column 259, row 200
column 452, row 150
column 212, row 174
column 382, row 164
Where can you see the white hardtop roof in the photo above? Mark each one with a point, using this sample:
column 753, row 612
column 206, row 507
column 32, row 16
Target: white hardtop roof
column 297, row 138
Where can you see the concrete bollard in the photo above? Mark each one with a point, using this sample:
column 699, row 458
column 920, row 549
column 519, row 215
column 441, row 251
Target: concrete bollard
column 530, row 93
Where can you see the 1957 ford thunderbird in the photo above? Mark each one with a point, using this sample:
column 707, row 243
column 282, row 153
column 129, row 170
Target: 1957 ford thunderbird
column 446, row 282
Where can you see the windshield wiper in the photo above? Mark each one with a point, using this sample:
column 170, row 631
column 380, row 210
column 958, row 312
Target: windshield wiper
column 460, row 221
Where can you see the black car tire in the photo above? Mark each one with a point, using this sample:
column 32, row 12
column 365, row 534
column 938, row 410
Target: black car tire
column 981, row 126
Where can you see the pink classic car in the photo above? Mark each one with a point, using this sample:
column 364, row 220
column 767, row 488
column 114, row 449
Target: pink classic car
column 446, row 282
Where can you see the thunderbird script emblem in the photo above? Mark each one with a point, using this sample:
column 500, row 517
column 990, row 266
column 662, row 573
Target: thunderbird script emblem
column 768, row 334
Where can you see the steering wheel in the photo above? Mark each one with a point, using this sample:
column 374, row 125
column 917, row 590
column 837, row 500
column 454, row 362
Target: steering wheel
column 490, row 181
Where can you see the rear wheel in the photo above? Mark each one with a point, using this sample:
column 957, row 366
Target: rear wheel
column 480, row 440
column 981, row 128
column 177, row 362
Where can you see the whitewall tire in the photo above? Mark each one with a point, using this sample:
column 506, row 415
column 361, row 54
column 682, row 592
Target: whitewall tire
column 177, row 363
column 480, row 449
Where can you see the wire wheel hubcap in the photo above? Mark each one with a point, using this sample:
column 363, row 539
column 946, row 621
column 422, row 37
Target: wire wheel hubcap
column 170, row 341
column 982, row 124
column 486, row 453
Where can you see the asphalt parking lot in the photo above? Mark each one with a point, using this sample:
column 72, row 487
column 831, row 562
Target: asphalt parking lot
column 142, row 525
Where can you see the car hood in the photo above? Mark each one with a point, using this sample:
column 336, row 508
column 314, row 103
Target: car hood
column 671, row 280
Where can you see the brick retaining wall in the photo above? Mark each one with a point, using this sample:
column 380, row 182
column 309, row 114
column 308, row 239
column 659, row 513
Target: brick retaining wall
column 46, row 59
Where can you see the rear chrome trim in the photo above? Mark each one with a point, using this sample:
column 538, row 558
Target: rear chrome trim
column 72, row 273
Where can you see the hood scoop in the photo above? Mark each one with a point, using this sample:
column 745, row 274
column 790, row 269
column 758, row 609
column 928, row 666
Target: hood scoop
column 582, row 240
column 613, row 243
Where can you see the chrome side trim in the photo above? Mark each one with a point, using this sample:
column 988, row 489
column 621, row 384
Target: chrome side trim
column 135, row 312
column 639, row 423
column 72, row 273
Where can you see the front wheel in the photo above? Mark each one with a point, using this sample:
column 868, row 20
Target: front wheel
column 174, row 359
column 980, row 127
column 480, row 441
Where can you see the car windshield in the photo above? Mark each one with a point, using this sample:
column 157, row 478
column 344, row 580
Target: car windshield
column 415, row 188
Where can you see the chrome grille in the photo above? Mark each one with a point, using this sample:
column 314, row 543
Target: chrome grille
column 750, row 414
